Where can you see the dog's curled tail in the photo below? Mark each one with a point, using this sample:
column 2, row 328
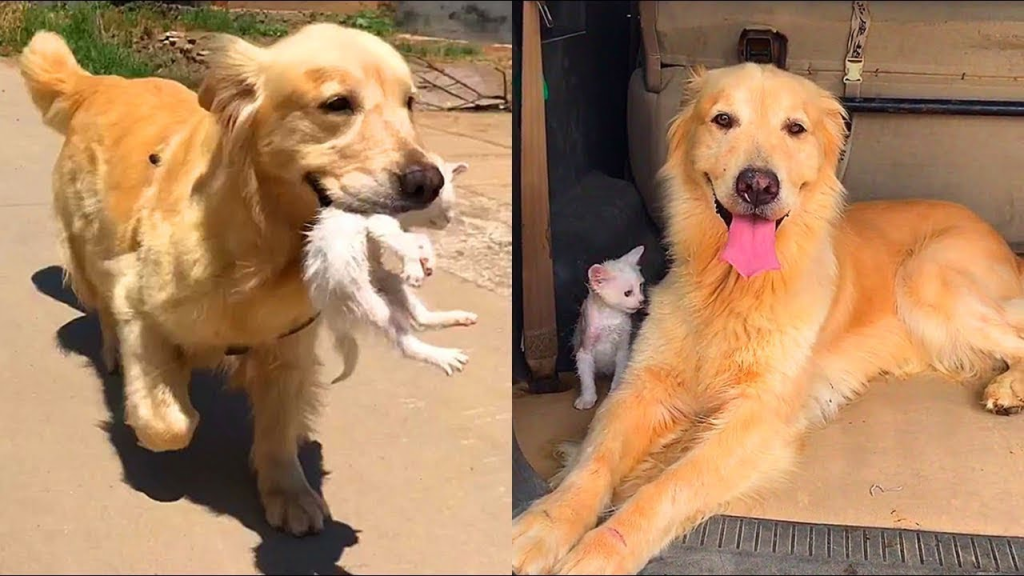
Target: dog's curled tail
column 52, row 75
column 347, row 346
column 566, row 453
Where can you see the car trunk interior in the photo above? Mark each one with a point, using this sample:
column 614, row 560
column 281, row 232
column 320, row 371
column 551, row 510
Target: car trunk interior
column 936, row 114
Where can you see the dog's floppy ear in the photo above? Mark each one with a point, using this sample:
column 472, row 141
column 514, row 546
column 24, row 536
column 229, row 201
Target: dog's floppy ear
column 834, row 132
column 694, row 84
column 233, row 87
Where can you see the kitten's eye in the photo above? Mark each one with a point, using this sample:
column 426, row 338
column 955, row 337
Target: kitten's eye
column 628, row 293
column 723, row 120
column 795, row 128
column 337, row 104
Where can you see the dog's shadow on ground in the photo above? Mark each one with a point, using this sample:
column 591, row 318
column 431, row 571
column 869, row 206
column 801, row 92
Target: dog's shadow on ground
column 213, row 471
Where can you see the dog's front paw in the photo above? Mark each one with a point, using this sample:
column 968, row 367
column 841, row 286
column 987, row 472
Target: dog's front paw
column 602, row 551
column 161, row 428
column 540, row 539
column 298, row 511
column 451, row 360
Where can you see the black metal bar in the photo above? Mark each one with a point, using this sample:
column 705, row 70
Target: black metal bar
column 923, row 106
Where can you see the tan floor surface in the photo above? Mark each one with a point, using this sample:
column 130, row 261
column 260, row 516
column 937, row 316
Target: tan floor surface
column 944, row 463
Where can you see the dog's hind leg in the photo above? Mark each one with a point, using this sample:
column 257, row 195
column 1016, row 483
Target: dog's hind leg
column 156, row 381
column 281, row 380
column 90, row 299
column 110, row 353
column 967, row 310
column 75, row 277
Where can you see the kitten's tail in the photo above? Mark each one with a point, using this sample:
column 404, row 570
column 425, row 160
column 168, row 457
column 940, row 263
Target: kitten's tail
column 347, row 346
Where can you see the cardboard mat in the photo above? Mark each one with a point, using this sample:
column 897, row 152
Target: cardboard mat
column 936, row 460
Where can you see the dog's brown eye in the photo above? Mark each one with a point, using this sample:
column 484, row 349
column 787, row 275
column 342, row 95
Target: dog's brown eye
column 795, row 128
column 337, row 104
column 409, row 102
column 628, row 293
column 723, row 120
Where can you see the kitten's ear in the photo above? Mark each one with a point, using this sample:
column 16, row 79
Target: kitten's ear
column 459, row 168
column 598, row 275
column 633, row 256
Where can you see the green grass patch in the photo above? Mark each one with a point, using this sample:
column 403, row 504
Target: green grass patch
column 99, row 49
column 377, row 22
column 439, row 50
column 246, row 24
column 122, row 40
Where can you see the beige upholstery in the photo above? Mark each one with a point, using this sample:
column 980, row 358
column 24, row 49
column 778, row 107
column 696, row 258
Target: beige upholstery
column 942, row 50
column 949, row 50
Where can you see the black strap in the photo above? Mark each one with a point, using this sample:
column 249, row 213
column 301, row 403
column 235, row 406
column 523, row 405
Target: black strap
column 239, row 350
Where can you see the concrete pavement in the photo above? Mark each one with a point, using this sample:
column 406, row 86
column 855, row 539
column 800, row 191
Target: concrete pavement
column 417, row 463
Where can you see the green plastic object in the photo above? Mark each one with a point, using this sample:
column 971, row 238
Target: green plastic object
column 545, row 82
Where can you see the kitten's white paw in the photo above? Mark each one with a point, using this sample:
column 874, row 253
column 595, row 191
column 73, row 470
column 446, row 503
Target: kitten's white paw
column 427, row 266
column 585, row 402
column 450, row 360
column 413, row 273
column 426, row 254
column 461, row 318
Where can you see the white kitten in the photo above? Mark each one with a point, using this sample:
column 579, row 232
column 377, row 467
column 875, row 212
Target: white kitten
column 602, row 337
column 348, row 283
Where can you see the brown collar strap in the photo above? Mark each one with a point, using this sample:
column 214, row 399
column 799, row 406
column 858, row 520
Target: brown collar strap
column 239, row 350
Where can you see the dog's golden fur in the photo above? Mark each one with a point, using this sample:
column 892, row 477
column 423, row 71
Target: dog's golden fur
column 728, row 372
column 182, row 218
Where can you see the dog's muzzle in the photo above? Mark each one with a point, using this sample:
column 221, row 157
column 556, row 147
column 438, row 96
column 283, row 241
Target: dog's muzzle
column 318, row 187
column 416, row 189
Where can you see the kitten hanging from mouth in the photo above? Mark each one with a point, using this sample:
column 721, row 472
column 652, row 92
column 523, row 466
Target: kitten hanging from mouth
column 602, row 338
column 348, row 283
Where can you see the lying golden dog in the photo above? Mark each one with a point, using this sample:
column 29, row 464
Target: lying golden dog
column 779, row 308
column 182, row 220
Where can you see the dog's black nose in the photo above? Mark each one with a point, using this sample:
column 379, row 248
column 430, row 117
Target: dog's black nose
column 421, row 183
column 757, row 186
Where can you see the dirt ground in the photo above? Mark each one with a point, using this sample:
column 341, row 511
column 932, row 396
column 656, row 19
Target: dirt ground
column 414, row 464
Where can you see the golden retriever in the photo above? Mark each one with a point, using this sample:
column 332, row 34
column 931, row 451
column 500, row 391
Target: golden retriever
column 779, row 308
column 182, row 220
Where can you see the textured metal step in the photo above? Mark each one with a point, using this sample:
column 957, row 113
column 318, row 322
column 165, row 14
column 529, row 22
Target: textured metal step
column 735, row 545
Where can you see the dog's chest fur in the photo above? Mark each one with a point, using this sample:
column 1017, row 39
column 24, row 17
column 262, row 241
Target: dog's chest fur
column 204, row 298
column 761, row 328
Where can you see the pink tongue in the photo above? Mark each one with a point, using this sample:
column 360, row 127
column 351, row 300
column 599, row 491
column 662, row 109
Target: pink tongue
column 750, row 247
